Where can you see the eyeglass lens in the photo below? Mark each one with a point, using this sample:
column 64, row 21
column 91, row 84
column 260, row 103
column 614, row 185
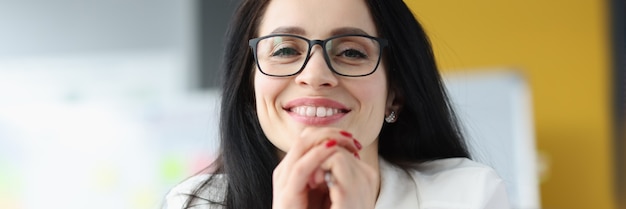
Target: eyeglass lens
column 347, row 55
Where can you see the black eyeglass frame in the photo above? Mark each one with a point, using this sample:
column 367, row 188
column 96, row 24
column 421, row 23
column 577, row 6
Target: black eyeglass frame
column 382, row 43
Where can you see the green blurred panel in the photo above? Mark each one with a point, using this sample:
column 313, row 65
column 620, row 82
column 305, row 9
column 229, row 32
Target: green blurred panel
column 10, row 186
column 173, row 169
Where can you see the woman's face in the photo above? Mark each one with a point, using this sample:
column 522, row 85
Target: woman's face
column 317, row 97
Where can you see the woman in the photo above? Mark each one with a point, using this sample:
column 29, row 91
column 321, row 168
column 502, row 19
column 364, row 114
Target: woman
column 336, row 104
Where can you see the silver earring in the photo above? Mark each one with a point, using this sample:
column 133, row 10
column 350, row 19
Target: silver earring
column 391, row 117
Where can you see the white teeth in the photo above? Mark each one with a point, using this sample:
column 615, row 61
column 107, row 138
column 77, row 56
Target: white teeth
column 321, row 112
column 310, row 111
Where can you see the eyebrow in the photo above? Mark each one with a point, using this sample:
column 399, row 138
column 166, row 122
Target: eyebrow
column 289, row 30
column 334, row 32
column 347, row 30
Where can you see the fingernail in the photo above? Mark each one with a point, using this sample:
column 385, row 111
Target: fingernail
column 331, row 143
column 356, row 154
column 346, row 134
column 357, row 144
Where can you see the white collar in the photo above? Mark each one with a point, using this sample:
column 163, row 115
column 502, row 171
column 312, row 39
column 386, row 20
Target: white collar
column 398, row 189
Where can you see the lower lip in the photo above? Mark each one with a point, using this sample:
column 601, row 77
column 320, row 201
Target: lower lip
column 317, row 121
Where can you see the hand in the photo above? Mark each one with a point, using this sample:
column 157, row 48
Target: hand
column 298, row 181
column 354, row 183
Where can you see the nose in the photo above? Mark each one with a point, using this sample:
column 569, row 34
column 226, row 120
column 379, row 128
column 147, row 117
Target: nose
column 316, row 72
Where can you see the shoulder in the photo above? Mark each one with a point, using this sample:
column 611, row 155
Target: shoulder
column 442, row 184
column 205, row 194
column 455, row 182
column 453, row 167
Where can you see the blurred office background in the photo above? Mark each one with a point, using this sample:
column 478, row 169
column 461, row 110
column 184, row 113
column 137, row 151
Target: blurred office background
column 572, row 55
column 108, row 104
column 100, row 102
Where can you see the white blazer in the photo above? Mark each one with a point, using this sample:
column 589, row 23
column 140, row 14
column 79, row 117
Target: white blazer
column 453, row 183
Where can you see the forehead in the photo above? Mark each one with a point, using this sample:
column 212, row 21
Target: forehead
column 316, row 18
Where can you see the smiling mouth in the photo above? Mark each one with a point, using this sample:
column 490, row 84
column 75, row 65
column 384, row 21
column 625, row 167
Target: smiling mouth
column 320, row 112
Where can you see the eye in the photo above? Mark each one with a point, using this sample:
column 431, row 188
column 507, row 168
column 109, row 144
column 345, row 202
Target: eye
column 285, row 52
column 353, row 53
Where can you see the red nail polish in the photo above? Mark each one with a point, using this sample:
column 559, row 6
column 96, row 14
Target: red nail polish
column 357, row 144
column 356, row 154
column 346, row 134
column 331, row 143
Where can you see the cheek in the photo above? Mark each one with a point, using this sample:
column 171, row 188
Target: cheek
column 267, row 89
column 267, row 92
column 372, row 93
column 372, row 97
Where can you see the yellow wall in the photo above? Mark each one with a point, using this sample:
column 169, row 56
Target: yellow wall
column 562, row 47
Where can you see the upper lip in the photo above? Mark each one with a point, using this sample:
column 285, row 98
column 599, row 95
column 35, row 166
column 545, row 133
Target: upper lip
column 316, row 102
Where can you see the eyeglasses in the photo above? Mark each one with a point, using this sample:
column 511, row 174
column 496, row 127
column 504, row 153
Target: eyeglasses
column 351, row 55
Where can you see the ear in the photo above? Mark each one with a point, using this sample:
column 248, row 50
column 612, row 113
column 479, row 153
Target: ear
column 394, row 103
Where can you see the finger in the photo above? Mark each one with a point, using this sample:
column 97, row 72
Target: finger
column 347, row 168
column 301, row 166
column 344, row 138
column 338, row 165
column 353, row 181
column 301, row 145
column 313, row 136
column 328, row 178
column 305, row 167
column 318, row 177
column 349, row 144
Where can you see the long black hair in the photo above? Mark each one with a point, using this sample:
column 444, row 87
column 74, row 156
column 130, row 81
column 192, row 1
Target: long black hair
column 426, row 128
